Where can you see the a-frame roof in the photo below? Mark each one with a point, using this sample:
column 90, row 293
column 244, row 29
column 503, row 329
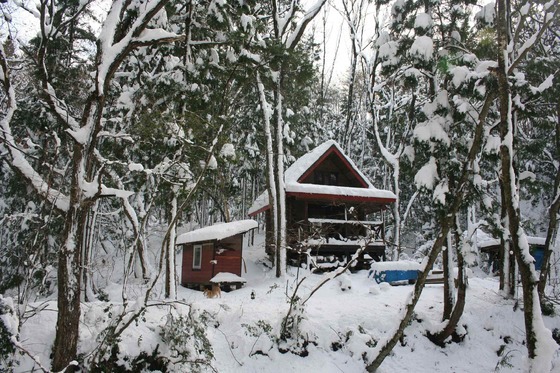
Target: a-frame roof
column 306, row 164
column 300, row 170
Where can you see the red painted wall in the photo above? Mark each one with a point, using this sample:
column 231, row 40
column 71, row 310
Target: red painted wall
column 229, row 260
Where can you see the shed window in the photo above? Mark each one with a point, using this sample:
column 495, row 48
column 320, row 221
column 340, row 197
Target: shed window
column 197, row 256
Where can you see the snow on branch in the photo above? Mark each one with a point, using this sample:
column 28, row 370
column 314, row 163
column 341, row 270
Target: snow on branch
column 111, row 51
column 155, row 36
column 282, row 22
column 17, row 158
column 59, row 108
column 550, row 16
column 295, row 36
column 68, row 19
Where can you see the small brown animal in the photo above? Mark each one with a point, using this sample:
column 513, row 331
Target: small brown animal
column 214, row 292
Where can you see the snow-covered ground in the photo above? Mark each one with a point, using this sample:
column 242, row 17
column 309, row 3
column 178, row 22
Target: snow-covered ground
column 343, row 321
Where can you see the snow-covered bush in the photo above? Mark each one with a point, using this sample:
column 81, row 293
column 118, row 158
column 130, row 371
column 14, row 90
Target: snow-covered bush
column 260, row 328
column 185, row 339
column 358, row 342
column 8, row 330
column 144, row 362
column 293, row 337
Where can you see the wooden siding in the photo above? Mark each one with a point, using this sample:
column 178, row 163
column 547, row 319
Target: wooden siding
column 202, row 275
column 333, row 163
column 226, row 253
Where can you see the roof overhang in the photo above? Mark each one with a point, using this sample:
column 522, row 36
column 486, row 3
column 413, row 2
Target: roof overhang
column 382, row 202
column 340, row 198
column 216, row 232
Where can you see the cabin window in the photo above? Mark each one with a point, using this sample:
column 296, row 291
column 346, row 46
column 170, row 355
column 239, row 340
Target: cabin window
column 326, row 211
column 197, row 257
column 326, row 178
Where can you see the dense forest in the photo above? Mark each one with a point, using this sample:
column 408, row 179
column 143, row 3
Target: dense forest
column 126, row 122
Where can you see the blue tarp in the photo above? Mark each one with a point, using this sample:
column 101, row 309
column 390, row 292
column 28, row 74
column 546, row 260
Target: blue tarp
column 394, row 276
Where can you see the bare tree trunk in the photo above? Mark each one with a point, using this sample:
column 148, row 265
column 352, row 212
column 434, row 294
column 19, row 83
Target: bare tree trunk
column 87, row 254
column 392, row 160
column 450, row 328
column 385, row 348
column 281, row 244
column 170, row 276
column 507, row 261
column 350, row 110
column 69, row 279
column 272, row 220
column 535, row 331
column 448, row 279
column 553, row 210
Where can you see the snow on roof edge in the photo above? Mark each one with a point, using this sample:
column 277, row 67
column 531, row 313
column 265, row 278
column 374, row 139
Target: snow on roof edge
column 495, row 242
column 227, row 277
column 217, row 231
column 262, row 201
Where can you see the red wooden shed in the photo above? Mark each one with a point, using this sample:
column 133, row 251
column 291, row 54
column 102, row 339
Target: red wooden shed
column 212, row 250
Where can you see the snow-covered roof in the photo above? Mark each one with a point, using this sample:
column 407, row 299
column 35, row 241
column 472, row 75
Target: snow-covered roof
column 217, row 231
column 305, row 162
column 227, row 277
column 401, row 265
column 488, row 243
column 495, row 242
column 298, row 169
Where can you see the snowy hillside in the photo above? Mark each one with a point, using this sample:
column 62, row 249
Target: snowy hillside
column 341, row 325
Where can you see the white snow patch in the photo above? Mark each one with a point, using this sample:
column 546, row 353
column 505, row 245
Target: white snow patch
column 439, row 192
column 427, row 176
column 422, row 48
column 487, row 14
column 217, row 231
column 135, row 167
column 401, row 265
column 388, row 53
column 548, row 83
column 225, row 277
column 527, row 175
column 212, row 163
column 460, row 74
column 228, row 151
column 492, row 145
column 423, row 21
column 432, row 129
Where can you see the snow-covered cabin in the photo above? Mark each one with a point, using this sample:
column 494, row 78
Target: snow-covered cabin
column 212, row 250
column 331, row 209
column 494, row 250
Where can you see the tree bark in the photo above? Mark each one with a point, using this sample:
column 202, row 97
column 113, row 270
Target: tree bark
column 170, row 277
column 384, row 349
column 507, row 260
column 553, row 210
column 448, row 286
column 69, row 276
column 535, row 331
column 281, row 242
column 455, row 315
